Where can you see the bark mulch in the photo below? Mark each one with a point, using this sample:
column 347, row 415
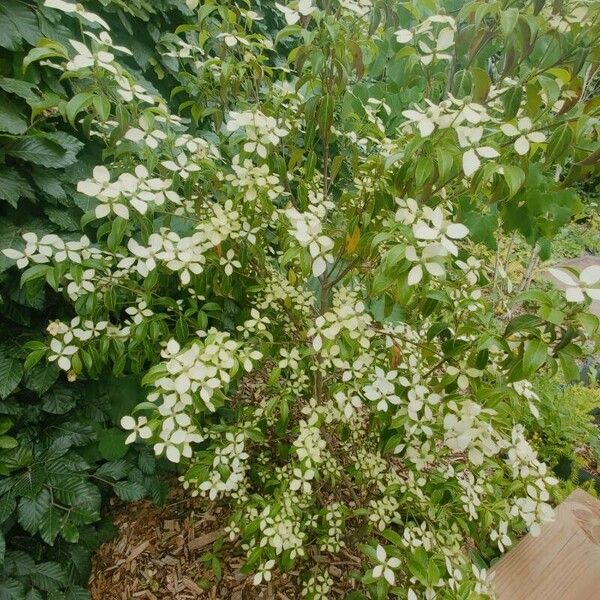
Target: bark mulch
column 156, row 553
column 163, row 553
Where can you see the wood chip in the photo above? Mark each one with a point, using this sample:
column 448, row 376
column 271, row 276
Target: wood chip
column 204, row 540
column 192, row 586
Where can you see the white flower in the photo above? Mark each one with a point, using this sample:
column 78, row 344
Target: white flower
column 358, row 7
column 183, row 165
column 232, row 39
column 72, row 7
column 97, row 184
column 108, row 194
column 301, row 481
column 386, row 565
column 264, row 572
column 588, row 282
column 501, row 536
column 36, row 250
column 104, row 39
column 293, row 15
column 138, row 428
column 229, row 262
column 430, row 259
column 145, row 133
column 307, row 230
column 444, row 40
column 440, row 229
column 435, row 115
column 75, row 289
column 62, row 352
column 139, row 312
column 382, row 389
column 261, row 130
column 348, row 404
column 86, row 58
column 524, row 133
column 469, row 137
column 128, row 90
column 407, row 210
column 403, row 36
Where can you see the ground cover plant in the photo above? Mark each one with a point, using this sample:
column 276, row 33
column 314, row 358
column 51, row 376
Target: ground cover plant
column 304, row 194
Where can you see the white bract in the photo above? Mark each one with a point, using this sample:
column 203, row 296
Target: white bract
column 296, row 10
column 522, row 131
column 386, row 565
column 586, row 284
column 469, row 137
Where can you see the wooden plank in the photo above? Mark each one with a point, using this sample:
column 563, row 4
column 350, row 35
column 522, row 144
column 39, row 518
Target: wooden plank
column 562, row 563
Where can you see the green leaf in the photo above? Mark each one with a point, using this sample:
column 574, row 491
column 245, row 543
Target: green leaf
column 526, row 322
column 325, row 113
column 19, row 87
column 41, row 377
column 67, row 219
column 8, row 504
column 31, row 512
column 34, row 272
column 481, row 84
column 514, row 177
column 59, row 400
column 534, row 356
column 48, row 576
column 11, row 372
column 46, row 49
column 10, row 589
column 76, row 491
column 417, row 565
column 569, row 366
column 39, row 150
column 357, row 58
column 17, row 24
column 512, row 102
column 114, row 469
column 119, row 226
column 11, row 119
column 112, row 444
column 50, row 525
column 129, row 491
column 508, row 20
column 558, row 144
column 76, row 104
column 7, row 442
column 13, row 186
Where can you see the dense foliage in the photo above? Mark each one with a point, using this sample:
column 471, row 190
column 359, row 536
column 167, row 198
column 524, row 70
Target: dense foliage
column 62, row 450
column 305, row 190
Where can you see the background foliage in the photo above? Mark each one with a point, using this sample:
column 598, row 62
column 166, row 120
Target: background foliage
column 61, row 452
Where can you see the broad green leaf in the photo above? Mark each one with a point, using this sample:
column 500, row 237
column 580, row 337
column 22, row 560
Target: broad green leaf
column 11, row 372
column 32, row 511
column 12, row 119
column 558, row 144
column 48, row 576
column 41, row 150
column 129, row 491
column 112, row 444
column 534, row 356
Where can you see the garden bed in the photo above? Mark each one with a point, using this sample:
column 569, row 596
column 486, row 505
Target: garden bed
column 166, row 553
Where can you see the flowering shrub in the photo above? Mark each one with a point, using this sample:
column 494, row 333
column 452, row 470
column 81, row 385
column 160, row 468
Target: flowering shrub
column 315, row 214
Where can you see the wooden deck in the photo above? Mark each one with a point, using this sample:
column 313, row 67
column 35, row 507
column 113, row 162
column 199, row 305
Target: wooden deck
column 562, row 563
